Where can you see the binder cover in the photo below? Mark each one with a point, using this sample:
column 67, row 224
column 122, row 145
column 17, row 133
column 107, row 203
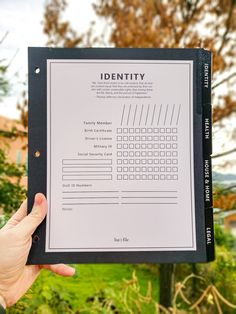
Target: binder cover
column 120, row 143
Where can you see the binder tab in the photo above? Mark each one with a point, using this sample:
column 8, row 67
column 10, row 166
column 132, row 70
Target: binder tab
column 207, row 182
column 207, row 129
column 206, row 78
column 210, row 248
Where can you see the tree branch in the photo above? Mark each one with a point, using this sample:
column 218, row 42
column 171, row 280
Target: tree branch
column 227, row 27
column 225, row 153
column 224, row 80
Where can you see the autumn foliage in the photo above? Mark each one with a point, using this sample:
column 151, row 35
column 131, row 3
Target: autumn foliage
column 161, row 24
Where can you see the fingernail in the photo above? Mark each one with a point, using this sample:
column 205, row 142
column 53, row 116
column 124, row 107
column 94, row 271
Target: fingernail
column 37, row 203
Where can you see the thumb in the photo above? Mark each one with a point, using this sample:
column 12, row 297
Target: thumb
column 28, row 225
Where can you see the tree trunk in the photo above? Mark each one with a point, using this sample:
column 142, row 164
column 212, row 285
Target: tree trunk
column 166, row 284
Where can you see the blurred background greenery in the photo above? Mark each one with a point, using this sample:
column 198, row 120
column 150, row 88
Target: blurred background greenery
column 195, row 288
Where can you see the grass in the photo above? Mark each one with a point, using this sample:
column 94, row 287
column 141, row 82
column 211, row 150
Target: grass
column 90, row 280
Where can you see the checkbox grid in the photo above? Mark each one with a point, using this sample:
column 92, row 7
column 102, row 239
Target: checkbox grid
column 147, row 153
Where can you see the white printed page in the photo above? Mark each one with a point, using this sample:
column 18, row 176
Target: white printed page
column 120, row 156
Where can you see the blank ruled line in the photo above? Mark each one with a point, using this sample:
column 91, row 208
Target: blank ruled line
column 135, row 114
column 140, row 119
column 177, row 121
column 149, row 203
column 159, row 116
column 153, row 114
column 90, row 191
column 147, row 114
column 128, row 115
column 172, row 114
column 149, row 191
column 121, row 123
column 149, row 197
column 166, row 114
column 65, row 204
column 90, row 197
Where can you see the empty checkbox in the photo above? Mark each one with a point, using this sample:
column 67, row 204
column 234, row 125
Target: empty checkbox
column 156, row 177
column 174, row 130
column 143, row 130
column 137, row 130
column 137, row 146
column 119, row 161
column 125, row 138
column 125, row 161
column 125, row 154
column 168, row 130
column 119, row 130
column 162, row 161
column 119, row 154
column 119, row 177
column 119, row 138
column 131, row 154
column 119, row 146
column 131, row 146
column 168, row 153
column 137, row 154
column 125, row 130
column 131, row 130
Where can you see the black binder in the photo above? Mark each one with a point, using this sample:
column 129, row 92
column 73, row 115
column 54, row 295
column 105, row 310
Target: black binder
column 40, row 87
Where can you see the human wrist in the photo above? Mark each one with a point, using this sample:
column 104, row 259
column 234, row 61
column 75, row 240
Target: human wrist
column 2, row 302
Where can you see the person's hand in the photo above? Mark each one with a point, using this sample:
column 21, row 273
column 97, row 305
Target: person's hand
column 15, row 241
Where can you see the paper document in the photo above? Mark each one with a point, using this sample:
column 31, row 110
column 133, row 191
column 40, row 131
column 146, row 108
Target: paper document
column 120, row 161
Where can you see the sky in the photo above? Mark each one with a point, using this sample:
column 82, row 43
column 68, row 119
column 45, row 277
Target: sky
column 22, row 21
